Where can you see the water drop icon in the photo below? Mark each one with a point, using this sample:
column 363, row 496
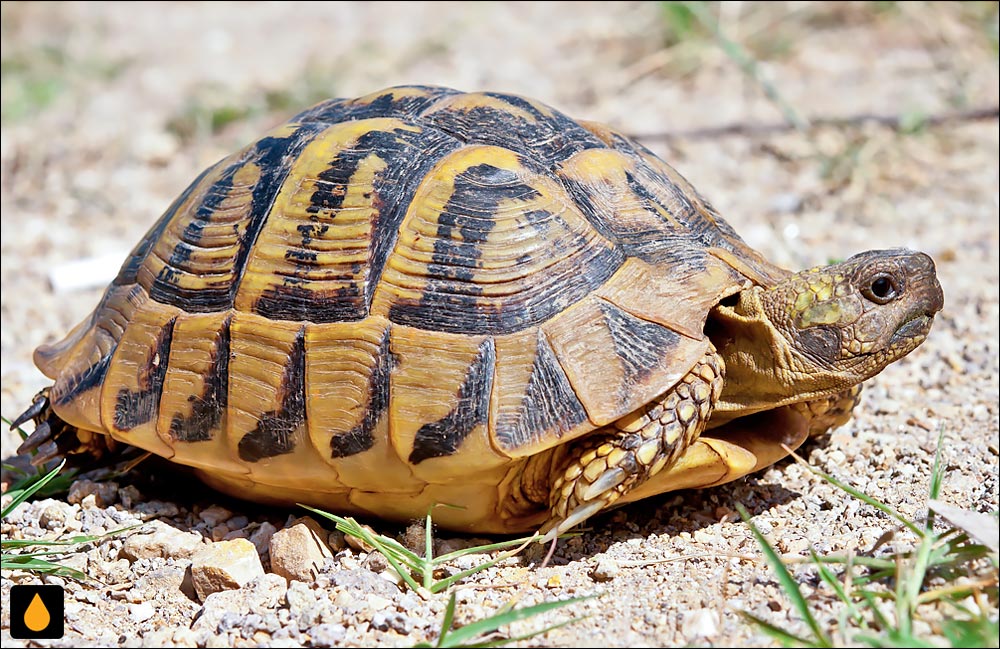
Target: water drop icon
column 37, row 617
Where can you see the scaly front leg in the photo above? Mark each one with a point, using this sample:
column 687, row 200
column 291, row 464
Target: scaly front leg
column 612, row 461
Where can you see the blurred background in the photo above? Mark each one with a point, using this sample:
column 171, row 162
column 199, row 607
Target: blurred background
column 110, row 109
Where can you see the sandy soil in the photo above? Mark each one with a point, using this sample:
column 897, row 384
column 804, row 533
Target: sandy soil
column 108, row 113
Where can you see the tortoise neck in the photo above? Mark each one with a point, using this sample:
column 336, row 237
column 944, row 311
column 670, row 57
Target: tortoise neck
column 761, row 367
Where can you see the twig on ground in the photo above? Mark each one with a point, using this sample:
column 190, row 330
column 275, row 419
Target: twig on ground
column 889, row 121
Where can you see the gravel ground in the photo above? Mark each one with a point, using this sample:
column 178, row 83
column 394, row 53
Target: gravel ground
column 110, row 110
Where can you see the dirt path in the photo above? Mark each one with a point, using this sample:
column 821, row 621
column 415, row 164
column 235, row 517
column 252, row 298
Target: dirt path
column 109, row 111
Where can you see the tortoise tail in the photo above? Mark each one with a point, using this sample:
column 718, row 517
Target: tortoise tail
column 54, row 438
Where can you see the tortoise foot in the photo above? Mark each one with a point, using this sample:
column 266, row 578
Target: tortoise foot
column 633, row 449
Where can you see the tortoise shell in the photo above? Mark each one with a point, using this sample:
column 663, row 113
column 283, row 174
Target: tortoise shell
column 389, row 300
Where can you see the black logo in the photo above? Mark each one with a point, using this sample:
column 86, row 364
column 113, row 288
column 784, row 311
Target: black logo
column 36, row 612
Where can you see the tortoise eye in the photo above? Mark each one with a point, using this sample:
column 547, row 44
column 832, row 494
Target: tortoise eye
column 882, row 290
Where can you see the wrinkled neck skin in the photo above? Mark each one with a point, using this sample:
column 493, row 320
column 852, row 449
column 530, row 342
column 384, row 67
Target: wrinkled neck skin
column 762, row 369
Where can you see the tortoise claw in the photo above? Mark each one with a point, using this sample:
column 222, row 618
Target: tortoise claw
column 47, row 451
column 37, row 407
column 41, row 434
column 575, row 517
column 608, row 481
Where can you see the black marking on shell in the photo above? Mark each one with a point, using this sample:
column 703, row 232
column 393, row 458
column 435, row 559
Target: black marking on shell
column 206, row 298
column 274, row 156
column 548, row 139
column 395, row 188
column 208, row 408
column 294, row 300
column 697, row 224
column 134, row 408
column 599, row 218
column 687, row 214
column 471, row 212
column 361, row 437
column 641, row 346
column 661, row 244
column 67, row 388
column 466, row 313
column 550, row 407
column 409, row 156
column 385, row 105
column 713, row 230
column 451, row 300
column 275, row 431
column 130, row 269
column 445, row 436
column 277, row 155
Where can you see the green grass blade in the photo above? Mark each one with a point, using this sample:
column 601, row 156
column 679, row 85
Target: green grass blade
column 32, row 563
column 458, row 637
column 982, row 527
column 427, row 566
column 872, row 602
column 977, row 632
column 23, row 494
column 393, row 551
column 909, row 582
column 480, row 549
column 831, row 580
column 937, row 472
column 38, row 553
column 15, row 469
column 55, row 487
column 20, row 432
column 745, row 62
column 786, row 638
column 393, row 559
column 442, row 584
column 527, row 636
column 71, row 541
column 350, row 526
column 788, row 583
column 446, row 622
column 862, row 496
column 429, row 538
column 937, row 478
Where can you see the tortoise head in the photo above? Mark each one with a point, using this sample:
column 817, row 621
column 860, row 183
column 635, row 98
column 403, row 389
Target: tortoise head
column 825, row 329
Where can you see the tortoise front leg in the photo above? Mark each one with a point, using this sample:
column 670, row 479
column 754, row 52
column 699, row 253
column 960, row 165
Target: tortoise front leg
column 830, row 412
column 749, row 444
column 611, row 462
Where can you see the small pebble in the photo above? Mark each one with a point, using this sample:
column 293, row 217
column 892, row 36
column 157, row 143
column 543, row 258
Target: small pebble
column 142, row 611
column 328, row 635
column 158, row 539
column 104, row 493
column 215, row 515
column 298, row 551
column 224, row 565
column 605, row 570
column 261, row 537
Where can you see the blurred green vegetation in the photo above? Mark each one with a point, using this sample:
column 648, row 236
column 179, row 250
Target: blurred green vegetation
column 211, row 108
column 32, row 78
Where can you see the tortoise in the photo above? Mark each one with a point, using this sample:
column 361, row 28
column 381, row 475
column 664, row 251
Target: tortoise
column 424, row 296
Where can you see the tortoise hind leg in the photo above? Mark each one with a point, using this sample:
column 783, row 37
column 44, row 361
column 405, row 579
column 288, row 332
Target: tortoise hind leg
column 610, row 463
column 53, row 437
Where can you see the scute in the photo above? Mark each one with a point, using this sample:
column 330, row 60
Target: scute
column 403, row 291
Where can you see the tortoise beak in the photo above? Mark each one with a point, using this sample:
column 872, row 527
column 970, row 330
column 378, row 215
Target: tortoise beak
column 922, row 278
column 925, row 296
